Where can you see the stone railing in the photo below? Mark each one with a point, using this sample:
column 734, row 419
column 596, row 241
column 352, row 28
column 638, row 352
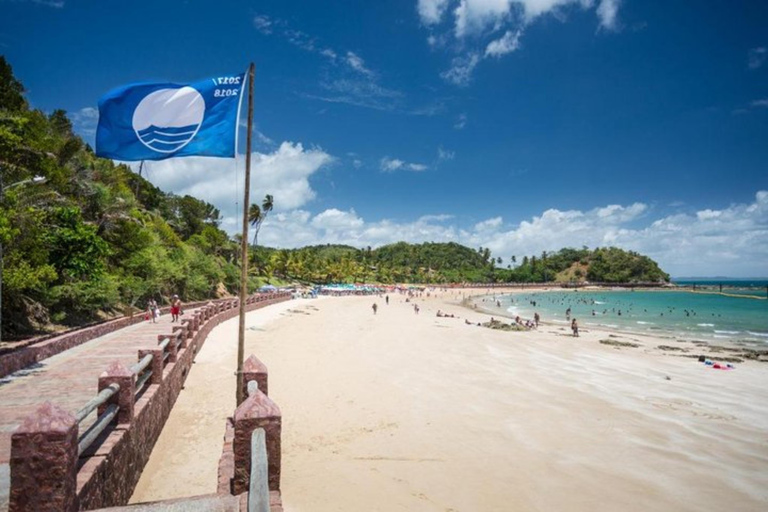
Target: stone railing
column 36, row 351
column 54, row 468
column 242, row 468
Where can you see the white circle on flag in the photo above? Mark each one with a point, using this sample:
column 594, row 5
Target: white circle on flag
column 166, row 120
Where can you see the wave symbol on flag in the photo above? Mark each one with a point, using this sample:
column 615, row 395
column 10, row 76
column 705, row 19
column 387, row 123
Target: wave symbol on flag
column 168, row 119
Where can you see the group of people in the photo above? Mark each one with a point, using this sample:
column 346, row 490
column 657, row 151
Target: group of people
column 153, row 310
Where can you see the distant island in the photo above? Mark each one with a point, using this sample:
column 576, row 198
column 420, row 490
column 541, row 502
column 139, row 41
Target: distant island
column 85, row 239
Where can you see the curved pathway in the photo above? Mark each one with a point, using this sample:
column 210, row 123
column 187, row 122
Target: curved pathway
column 69, row 380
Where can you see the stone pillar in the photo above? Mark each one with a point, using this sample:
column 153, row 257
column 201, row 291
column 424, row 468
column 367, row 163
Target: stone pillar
column 257, row 411
column 182, row 332
column 171, row 349
column 44, row 462
column 156, row 365
column 253, row 369
column 187, row 324
column 117, row 373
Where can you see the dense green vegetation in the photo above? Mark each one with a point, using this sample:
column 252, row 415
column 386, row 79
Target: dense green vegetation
column 92, row 237
column 83, row 238
column 454, row 263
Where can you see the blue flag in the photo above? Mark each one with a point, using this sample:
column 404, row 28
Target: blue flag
column 155, row 121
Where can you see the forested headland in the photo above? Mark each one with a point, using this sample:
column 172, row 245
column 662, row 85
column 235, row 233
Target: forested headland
column 84, row 238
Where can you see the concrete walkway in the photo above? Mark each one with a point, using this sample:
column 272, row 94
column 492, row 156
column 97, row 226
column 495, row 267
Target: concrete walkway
column 69, row 380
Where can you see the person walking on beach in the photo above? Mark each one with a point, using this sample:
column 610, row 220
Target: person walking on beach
column 536, row 319
column 175, row 308
column 575, row 328
column 374, row 307
column 386, row 299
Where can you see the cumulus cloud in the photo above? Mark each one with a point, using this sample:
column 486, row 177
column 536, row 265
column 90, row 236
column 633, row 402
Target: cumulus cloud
column 395, row 164
column 730, row 241
column 431, row 11
column 284, row 173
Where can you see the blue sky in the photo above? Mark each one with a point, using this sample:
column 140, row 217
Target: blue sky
column 517, row 125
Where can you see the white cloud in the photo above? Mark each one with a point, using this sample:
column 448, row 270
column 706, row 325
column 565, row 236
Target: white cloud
column 760, row 103
column 727, row 241
column 444, row 154
column 508, row 43
column 478, row 23
column 358, row 64
column 284, row 173
column 473, row 16
column 263, row 24
column 461, row 122
column 757, row 57
column 395, row 164
column 608, row 14
column 335, row 220
column 461, row 69
column 431, row 11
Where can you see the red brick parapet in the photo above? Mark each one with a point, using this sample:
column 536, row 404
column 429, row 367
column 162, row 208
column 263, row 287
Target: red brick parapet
column 156, row 366
column 117, row 373
column 257, row 411
column 44, row 462
column 108, row 473
column 253, row 369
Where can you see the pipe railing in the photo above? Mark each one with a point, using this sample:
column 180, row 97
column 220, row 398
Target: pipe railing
column 102, row 421
column 258, row 489
column 143, row 373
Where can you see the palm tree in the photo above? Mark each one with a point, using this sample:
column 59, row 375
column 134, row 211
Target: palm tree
column 257, row 216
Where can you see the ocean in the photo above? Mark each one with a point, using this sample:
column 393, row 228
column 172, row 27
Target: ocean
column 736, row 316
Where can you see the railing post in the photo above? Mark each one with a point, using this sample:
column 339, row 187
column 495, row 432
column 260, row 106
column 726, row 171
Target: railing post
column 156, row 366
column 253, row 369
column 257, row 411
column 44, row 462
column 182, row 331
column 124, row 398
column 187, row 325
column 172, row 350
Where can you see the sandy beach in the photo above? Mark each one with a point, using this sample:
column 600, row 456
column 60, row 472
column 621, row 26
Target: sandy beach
column 406, row 411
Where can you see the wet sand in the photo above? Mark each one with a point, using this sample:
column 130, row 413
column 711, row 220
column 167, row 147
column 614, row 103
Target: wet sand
column 399, row 411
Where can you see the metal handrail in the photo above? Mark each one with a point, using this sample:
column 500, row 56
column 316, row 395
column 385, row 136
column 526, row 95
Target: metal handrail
column 97, row 428
column 258, row 488
column 141, row 381
column 141, row 365
column 164, row 344
column 104, row 395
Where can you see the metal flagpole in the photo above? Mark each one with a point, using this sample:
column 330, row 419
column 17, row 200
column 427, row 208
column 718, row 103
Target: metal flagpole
column 244, row 242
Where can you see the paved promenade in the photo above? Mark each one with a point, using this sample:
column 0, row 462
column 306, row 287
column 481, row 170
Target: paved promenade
column 69, row 380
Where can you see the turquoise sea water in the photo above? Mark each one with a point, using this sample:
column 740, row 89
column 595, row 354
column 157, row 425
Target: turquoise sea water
column 692, row 316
